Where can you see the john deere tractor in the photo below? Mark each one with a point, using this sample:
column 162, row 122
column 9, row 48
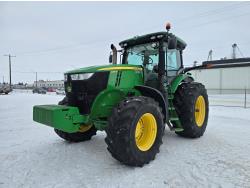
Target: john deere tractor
column 131, row 101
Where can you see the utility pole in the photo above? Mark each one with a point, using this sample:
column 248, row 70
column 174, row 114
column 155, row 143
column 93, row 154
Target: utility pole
column 36, row 79
column 10, row 56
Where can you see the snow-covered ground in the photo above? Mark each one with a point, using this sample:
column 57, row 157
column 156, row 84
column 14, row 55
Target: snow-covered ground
column 32, row 155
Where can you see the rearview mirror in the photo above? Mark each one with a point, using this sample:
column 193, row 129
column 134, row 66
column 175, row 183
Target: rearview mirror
column 172, row 43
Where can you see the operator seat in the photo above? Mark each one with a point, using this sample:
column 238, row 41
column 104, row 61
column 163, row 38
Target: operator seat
column 152, row 78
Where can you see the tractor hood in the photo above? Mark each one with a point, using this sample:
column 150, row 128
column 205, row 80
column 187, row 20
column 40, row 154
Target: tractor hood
column 105, row 68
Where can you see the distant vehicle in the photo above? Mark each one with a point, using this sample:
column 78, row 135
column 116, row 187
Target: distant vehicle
column 39, row 90
column 51, row 89
column 60, row 92
column 5, row 89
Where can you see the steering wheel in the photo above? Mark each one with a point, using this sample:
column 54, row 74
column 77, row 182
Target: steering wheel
column 150, row 60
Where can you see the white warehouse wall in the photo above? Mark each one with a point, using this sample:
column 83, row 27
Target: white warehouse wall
column 224, row 80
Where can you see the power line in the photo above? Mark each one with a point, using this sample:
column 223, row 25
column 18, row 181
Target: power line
column 204, row 14
column 77, row 45
column 196, row 16
column 245, row 43
column 32, row 72
column 208, row 13
column 218, row 20
column 215, row 11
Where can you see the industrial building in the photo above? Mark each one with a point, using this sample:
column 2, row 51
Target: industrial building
column 56, row 84
column 232, row 76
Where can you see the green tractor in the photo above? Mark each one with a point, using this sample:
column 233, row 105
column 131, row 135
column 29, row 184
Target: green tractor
column 131, row 101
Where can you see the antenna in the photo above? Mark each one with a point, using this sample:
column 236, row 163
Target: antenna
column 210, row 55
column 195, row 64
column 234, row 46
column 234, row 54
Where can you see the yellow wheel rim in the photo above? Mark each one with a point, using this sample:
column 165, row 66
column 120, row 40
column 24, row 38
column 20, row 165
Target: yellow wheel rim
column 145, row 132
column 84, row 128
column 200, row 111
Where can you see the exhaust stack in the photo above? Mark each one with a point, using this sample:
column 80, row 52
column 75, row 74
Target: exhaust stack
column 114, row 51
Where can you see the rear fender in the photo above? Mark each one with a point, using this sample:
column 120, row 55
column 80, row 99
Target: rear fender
column 178, row 80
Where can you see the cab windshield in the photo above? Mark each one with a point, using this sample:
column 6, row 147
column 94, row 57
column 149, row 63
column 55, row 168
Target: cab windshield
column 147, row 55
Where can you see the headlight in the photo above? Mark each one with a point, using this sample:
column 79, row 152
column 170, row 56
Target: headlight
column 82, row 76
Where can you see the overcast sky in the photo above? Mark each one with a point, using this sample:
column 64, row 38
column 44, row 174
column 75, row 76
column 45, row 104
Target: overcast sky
column 53, row 37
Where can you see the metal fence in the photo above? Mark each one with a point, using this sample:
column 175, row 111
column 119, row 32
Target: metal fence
column 230, row 98
column 237, row 98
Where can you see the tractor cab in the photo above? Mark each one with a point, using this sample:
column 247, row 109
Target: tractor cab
column 160, row 54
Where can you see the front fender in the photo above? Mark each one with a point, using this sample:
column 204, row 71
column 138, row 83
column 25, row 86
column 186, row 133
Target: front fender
column 105, row 101
column 156, row 95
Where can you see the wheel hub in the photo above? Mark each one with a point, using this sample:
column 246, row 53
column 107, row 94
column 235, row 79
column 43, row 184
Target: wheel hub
column 84, row 128
column 145, row 133
column 200, row 111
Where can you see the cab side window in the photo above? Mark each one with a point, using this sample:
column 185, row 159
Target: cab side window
column 134, row 59
column 173, row 60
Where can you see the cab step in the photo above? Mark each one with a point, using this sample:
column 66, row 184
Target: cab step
column 172, row 128
column 171, row 97
column 171, row 108
column 178, row 129
column 174, row 119
column 175, row 129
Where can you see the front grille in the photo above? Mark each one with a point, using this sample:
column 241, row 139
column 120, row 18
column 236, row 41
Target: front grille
column 84, row 92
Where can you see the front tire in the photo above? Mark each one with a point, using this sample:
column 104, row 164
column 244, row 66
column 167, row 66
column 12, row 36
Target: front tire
column 135, row 131
column 78, row 136
column 191, row 104
column 85, row 134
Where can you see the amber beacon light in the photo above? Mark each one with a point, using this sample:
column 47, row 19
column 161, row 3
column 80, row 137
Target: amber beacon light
column 168, row 26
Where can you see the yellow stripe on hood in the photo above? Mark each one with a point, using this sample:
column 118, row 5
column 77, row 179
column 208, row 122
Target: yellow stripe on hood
column 120, row 68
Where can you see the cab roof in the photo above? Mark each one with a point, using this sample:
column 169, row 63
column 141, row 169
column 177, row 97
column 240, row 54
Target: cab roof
column 152, row 37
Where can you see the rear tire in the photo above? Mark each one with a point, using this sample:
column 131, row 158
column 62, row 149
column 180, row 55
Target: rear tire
column 78, row 136
column 135, row 131
column 191, row 103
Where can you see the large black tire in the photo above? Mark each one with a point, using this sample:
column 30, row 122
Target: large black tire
column 64, row 101
column 185, row 101
column 121, row 131
column 78, row 136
